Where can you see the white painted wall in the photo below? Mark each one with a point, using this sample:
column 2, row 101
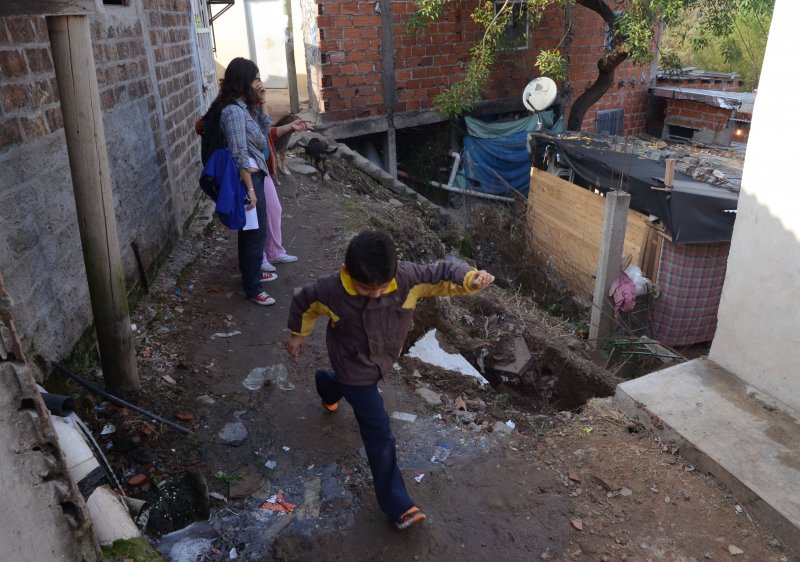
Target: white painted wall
column 758, row 335
column 254, row 29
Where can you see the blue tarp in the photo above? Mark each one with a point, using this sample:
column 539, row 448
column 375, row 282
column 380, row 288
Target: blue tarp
column 497, row 164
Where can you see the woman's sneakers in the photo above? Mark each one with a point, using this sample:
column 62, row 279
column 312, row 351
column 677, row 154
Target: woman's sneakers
column 267, row 277
column 410, row 518
column 285, row 258
column 267, row 267
column 263, row 299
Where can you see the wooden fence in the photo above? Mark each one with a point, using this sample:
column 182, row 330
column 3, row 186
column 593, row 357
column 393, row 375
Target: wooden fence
column 565, row 223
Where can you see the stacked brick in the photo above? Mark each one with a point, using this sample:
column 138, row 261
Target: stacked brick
column 697, row 115
column 28, row 91
column 719, row 84
column 149, row 88
column 347, row 77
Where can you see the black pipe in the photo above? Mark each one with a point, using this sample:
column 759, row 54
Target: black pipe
column 118, row 401
column 57, row 404
column 141, row 268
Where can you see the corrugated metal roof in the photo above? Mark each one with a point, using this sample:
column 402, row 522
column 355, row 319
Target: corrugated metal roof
column 740, row 101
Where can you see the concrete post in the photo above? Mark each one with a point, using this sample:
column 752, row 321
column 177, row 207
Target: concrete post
column 388, row 82
column 291, row 70
column 612, row 241
column 71, row 46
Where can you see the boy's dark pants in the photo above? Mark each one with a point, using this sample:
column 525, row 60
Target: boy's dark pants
column 376, row 432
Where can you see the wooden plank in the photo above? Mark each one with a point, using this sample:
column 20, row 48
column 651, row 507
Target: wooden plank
column 565, row 222
column 73, row 61
column 47, row 7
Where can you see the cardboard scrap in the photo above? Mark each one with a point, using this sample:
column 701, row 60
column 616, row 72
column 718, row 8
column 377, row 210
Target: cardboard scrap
column 278, row 504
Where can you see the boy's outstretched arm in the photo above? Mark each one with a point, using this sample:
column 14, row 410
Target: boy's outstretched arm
column 295, row 345
column 480, row 280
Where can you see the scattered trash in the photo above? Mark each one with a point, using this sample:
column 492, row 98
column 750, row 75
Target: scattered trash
column 233, row 555
column 441, row 453
column 501, row 427
column 437, row 416
column 225, row 334
column 285, row 448
column 271, row 464
column 427, row 349
column 735, row 550
column 137, row 480
column 564, row 416
column 577, row 523
column 233, row 434
column 276, row 374
column 278, row 504
column 460, row 404
column 586, row 430
column 688, row 468
column 431, row 397
column 168, row 379
column 667, row 499
column 626, row 492
column 511, row 424
column 218, row 496
column 402, row 416
column 418, row 476
column 739, row 509
column 184, row 416
column 206, row 400
column 108, row 429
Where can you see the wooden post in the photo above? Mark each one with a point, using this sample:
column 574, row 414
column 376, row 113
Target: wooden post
column 612, row 240
column 669, row 173
column 291, row 69
column 71, row 46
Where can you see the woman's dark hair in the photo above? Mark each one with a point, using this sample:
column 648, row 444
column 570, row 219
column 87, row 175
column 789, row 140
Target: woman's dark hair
column 239, row 75
column 371, row 257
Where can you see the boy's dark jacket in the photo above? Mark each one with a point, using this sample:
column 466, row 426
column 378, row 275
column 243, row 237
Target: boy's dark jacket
column 365, row 336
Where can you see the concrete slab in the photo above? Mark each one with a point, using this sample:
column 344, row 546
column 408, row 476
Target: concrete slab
column 748, row 440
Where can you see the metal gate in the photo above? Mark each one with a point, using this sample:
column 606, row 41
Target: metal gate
column 205, row 53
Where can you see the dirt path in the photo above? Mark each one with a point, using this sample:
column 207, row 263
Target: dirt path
column 537, row 492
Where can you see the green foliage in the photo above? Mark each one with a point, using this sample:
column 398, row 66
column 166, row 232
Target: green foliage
column 552, row 65
column 723, row 36
column 670, row 61
column 633, row 35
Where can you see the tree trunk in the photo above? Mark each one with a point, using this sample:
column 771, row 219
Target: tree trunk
column 605, row 79
column 606, row 66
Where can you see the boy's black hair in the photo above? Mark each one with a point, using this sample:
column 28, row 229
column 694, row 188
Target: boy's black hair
column 371, row 257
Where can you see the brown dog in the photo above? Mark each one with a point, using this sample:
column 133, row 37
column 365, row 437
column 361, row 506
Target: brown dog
column 281, row 143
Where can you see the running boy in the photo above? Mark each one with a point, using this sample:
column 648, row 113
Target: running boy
column 370, row 303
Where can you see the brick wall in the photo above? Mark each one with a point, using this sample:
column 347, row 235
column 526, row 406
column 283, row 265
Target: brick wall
column 347, row 76
column 696, row 115
column 149, row 92
column 719, row 84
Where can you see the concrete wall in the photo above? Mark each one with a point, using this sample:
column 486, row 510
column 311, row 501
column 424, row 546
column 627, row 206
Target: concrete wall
column 42, row 513
column 758, row 338
column 346, row 77
column 232, row 40
column 149, row 91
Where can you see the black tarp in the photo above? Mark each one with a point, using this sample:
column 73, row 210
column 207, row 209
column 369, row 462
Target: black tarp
column 694, row 212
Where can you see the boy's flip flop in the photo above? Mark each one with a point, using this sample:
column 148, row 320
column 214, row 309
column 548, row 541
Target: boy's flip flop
column 410, row 518
column 332, row 408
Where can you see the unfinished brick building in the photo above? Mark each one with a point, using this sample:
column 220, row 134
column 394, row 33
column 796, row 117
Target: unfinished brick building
column 146, row 62
column 359, row 86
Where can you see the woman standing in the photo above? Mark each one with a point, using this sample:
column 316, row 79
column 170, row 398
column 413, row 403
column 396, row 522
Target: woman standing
column 245, row 126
